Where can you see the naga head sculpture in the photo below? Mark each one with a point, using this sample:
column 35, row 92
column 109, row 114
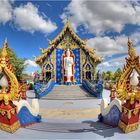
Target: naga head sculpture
column 5, row 67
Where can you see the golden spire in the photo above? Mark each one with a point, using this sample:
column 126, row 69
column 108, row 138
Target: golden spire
column 4, row 49
column 131, row 50
column 67, row 20
column 67, row 23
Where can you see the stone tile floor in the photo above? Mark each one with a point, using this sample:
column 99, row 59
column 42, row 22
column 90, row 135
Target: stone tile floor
column 70, row 128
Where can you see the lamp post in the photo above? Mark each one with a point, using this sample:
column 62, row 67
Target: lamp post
column 4, row 84
column 134, row 81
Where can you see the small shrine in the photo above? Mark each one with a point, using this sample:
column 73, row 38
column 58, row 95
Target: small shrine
column 67, row 59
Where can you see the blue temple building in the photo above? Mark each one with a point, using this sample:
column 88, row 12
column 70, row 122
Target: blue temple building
column 51, row 61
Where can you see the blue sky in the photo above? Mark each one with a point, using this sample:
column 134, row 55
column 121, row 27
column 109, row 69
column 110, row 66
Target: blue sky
column 28, row 25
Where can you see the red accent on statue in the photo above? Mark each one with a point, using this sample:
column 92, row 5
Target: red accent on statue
column 23, row 90
column 11, row 119
column 63, row 56
column 134, row 118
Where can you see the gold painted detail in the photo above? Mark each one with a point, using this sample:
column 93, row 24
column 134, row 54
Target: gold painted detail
column 82, row 59
column 87, row 69
column 130, row 112
column 68, row 38
column 66, row 28
column 54, row 63
column 123, row 86
column 128, row 128
column 50, row 69
column 8, row 112
column 10, row 128
column 94, row 71
column 67, row 42
column 6, row 68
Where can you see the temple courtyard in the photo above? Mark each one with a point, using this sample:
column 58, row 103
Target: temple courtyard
column 69, row 119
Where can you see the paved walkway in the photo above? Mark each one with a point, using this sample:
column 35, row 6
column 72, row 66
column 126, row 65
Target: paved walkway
column 70, row 125
column 85, row 126
column 69, row 109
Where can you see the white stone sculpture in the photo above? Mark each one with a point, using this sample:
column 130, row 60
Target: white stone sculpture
column 68, row 62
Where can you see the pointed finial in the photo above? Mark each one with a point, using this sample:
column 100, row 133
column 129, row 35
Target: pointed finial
column 129, row 42
column 67, row 21
column 34, row 57
column 131, row 50
column 41, row 50
column 48, row 40
column 4, row 49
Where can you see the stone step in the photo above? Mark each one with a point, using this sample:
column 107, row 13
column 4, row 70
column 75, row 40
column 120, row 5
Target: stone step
column 68, row 92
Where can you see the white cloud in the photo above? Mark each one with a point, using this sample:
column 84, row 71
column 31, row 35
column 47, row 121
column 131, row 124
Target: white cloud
column 30, row 63
column 28, row 18
column 108, row 46
column 101, row 16
column 138, row 50
column 116, row 63
column 5, row 11
column 113, row 64
column 106, row 64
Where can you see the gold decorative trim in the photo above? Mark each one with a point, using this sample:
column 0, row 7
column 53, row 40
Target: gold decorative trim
column 94, row 72
column 128, row 128
column 54, row 61
column 84, row 68
column 67, row 26
column 44, row 70
column 6, row 68
column 126, row 110
column 81, row 65
column 83, row 45
column 10, row 128
column 8, row 112
column 132, row 63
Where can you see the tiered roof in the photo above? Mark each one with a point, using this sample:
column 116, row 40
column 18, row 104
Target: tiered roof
column 54, row 42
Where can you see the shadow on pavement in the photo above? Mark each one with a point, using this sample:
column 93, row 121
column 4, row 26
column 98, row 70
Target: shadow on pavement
column 83, row 127
column 98, row 128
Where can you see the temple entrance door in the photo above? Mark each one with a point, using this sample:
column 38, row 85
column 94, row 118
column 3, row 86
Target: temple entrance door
column 88, row 75
column 48, row 76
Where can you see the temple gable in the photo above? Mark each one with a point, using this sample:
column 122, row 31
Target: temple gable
column 52, row 59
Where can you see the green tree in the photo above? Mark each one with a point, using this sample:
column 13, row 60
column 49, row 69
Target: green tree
column 17, row 63
column 109, row 75
column 117, row 74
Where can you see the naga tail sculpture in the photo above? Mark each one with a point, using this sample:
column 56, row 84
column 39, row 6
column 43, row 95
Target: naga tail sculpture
column 110, row 114
column 28, row 114
column 42, row 90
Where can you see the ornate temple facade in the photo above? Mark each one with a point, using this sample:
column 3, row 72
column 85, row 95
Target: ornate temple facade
column 52, row 58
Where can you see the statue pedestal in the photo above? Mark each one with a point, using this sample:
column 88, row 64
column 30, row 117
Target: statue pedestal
column 130, row 116
column 68, row 83
column 8, row 117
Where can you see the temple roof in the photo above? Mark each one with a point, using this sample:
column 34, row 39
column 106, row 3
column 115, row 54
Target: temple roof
column 62, row 33
column 52, row 44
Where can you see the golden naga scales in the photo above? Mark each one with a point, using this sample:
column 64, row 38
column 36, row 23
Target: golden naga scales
column 123, row 85
column 6, row 68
